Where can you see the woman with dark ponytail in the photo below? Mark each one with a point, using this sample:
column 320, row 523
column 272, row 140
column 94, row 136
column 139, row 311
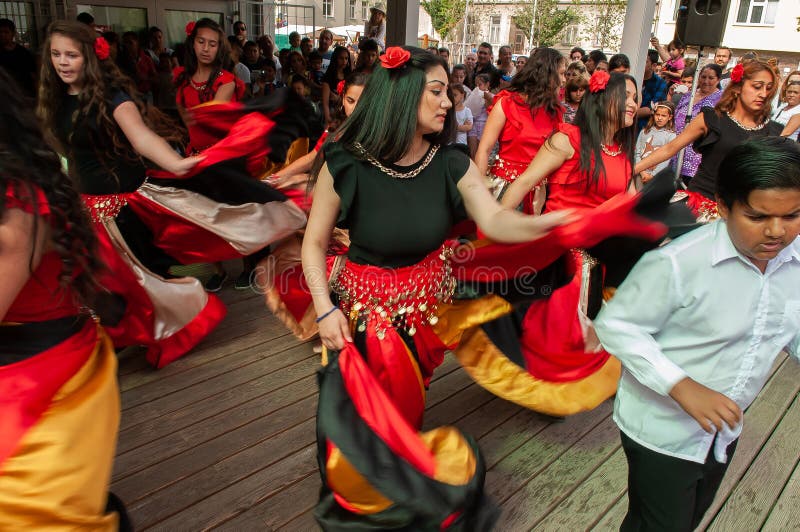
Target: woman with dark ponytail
column 59, row 401
column 555, row 365
column 400, row 191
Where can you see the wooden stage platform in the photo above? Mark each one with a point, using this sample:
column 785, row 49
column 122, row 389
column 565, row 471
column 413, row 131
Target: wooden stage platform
column 223, row 439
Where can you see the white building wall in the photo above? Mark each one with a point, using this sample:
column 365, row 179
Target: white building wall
column 782, row 36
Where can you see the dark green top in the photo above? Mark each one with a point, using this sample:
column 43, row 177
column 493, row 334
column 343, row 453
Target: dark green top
column 396, row 222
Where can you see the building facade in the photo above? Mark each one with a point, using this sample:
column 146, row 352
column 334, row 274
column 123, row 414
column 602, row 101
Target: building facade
column 767, row 27
column 493, row 22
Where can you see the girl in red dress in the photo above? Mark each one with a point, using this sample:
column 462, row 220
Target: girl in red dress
column 556, row 365
column 202, row 78
column 521, row 119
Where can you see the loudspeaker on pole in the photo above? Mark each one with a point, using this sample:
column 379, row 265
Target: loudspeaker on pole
column 701, row 22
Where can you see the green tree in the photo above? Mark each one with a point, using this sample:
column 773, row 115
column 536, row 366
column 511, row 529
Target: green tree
column 445, row 14
column 608, row 20
column 549, row 22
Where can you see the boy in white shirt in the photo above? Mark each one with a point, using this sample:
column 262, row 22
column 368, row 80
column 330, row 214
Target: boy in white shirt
column 697, row 325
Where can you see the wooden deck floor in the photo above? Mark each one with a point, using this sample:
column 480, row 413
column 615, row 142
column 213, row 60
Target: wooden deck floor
column 224, row 439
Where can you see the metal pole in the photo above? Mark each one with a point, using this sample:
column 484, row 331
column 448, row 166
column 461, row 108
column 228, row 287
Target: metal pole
column 464, row 33
column 533, row 22
column 678, row 179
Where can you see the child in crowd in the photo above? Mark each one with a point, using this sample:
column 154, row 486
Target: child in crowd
column 477, row 101
column 673, row 59
column 660, row 130
column 697, row 325
column 265, row 81
column 463, row 114
column 459, row 75
column 315, row 74
column 573, row 94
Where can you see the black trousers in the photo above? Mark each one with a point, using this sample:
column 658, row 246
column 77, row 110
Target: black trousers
column 668, row 493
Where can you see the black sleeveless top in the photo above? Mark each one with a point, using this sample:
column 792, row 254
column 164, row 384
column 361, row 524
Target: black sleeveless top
column 723, row 135
column 396, row 222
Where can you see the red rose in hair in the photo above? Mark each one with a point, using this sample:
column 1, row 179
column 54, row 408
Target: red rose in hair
column 737, row 73
column 190, row 27
column 395, row 57
column 340, row 88
column 101, row 48
column 599, row 81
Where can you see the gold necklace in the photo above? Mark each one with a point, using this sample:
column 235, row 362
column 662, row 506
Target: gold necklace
column 609, row 152
column 394, row 173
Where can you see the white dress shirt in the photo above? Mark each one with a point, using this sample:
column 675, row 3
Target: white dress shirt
column 698, row 308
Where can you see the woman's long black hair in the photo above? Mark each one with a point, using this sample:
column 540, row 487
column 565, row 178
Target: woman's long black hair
column 599, row 114
column 27, row 163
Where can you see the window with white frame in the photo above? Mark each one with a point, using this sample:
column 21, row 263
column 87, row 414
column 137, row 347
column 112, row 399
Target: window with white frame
column 352, row 10
column 494, row 29
column 365, row 10
column 327, row 8
column 757, row 11
column 570, row 35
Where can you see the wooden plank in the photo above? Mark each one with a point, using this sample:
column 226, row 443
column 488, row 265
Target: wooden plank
column 206, row 419
column 785, row 515
column 614, row 516
column 222, row 491
column 278, row 510
column 534, row 499
column 158, row 473
column 216, row 348
column 590, row 501
column 252, row 309
column 507, row 476
column 303, row 523
column 751, row 500
column 173, row 394
column 488, row 417
column 231, row 499
column 759, row 422
column 456, row 407
column 447, row 386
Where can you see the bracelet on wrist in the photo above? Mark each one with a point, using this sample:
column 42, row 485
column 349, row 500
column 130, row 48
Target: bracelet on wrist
column 319, row 319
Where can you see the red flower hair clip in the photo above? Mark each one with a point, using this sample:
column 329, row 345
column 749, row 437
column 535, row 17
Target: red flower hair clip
column 190, row 27
column 101, row 48
column 395, row 57
column 340, row 88
column 599, row 81
column 737, row 73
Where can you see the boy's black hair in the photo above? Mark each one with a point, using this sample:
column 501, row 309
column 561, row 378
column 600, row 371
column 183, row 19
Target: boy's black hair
column 619, row 60
column 86, row 18
column 597, row 56
column 8, row 23
column 758, row 164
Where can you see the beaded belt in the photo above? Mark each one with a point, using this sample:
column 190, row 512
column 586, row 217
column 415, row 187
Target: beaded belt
column 105, row 206
column 405, row 298
column 507, row 170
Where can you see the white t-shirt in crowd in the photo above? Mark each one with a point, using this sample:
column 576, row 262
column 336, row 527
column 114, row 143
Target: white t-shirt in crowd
column 462, row 117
